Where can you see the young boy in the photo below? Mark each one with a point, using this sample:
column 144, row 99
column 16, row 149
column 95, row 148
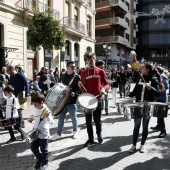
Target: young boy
column 11, row 111
column 42, row 119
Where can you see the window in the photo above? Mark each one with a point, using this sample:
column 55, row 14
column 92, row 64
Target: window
column 67, row 9
column 127, row 4
column 76, row 14
column 127, row 36
column 127, row 20
column 89, row 26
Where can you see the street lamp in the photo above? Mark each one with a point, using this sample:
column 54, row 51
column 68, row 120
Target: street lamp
column 107, row 50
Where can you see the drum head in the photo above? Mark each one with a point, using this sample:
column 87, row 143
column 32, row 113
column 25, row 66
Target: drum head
column 88, row 100
column 57, row 98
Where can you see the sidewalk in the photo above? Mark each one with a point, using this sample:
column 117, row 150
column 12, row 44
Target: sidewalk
column 69, row 154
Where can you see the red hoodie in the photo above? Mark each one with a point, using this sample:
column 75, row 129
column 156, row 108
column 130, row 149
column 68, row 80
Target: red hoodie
column 95, row 79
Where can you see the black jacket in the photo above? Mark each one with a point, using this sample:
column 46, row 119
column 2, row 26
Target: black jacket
column 66, row 78
column 149, row 95
column 117, row 81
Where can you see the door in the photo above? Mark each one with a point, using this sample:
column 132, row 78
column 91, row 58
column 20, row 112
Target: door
column 30, row 69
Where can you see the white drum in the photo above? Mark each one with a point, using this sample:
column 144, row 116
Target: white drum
column 87, row 102
column 57, row 98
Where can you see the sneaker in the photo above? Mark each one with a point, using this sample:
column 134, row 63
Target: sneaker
column 155, row 128
column 38, row 164
column 55, row 137
column 162, row 135
column 44, row 166
column 11, row 140
column 75, row 134
column 132, row 149
column 100, row 139
column 141, row 149
column 89, row 143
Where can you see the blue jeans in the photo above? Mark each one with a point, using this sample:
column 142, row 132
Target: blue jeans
column 137, row 122
column 43, row 144
column 71, row 108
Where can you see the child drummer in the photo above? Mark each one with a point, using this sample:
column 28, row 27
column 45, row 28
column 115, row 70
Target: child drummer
column 42, row 118
column 11, row 112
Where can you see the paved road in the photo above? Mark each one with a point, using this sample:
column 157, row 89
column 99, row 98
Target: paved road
column 69, row 154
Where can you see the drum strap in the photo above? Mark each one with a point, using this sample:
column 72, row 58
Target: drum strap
column 44, row 112
column 12, row 108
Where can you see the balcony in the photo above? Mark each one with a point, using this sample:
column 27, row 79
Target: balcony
column 73, row 27
column 89, row 33
column 32, row 5
column 112, row 39
column 81, row 1
column 117, row 22
column 119, row 4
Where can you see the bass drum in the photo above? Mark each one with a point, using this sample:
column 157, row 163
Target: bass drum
column 57, row 98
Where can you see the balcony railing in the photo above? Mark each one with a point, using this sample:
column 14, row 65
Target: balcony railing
column 33, row 5
column 112, row 39
column 119, row 3
column 74, row 25
column 119, row 21
column 112, row 21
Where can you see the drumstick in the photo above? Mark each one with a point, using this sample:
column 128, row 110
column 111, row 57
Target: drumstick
column 83, row 86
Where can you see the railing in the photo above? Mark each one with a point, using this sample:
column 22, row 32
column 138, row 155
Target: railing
column 120, row 4
column 120, row 21
column 114, row 21
column 89, row 2
column 33, row 5
column 74, row 25
column 113, row 39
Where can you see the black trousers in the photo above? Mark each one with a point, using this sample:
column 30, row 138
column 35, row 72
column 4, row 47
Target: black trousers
column 43, row 145
column 16, row 127
column 97, row 120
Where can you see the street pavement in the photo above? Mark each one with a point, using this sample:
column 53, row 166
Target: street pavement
column 69, row 154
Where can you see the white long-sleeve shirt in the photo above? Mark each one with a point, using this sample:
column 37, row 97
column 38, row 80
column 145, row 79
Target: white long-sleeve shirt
column 9, row 101
column 43, row 127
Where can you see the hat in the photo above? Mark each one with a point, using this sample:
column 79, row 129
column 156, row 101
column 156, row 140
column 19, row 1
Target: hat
column 91, row 55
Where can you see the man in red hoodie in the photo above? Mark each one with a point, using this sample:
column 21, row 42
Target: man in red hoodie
column 95, row 81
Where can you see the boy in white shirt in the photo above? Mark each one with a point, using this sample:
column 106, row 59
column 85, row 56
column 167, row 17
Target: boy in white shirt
column 11, row 112
column 43, row 118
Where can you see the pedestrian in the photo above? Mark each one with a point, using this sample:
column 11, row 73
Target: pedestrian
column 95, row 82
column 12, row 107
column 145, row 91
column 115, row 80
column 20, row 84
column 70, row 79
column 122, row 82
column 35, row 84
column 101, row 64
column 42, row 119
column 162, row 98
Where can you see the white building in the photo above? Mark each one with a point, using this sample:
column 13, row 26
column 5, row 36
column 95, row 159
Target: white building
column 77, row 18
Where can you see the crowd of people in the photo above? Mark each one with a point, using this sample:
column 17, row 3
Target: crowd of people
column 152, row 84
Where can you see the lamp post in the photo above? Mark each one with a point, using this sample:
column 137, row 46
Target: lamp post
column 62, row 56
column 107, row 50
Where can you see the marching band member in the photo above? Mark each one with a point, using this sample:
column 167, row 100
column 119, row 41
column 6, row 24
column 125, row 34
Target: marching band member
column 95, row 81
column 71, row 79
column 11, row 112
column 43, row 118
column 144, row 91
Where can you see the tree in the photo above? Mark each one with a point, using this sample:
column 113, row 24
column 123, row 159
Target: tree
column 45, row 31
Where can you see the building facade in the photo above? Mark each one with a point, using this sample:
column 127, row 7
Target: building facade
column 114, row 26
column 77, row 18
column 153, row 34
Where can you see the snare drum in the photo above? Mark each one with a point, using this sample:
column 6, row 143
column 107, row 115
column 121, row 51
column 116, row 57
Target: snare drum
column 31, row 135
column 158, row 109
column 87, row 103
column 133, row 110
column 120, row 104
column 8, row 122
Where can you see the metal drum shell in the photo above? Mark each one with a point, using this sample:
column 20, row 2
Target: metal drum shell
column 159, row 109
column 136, row 110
